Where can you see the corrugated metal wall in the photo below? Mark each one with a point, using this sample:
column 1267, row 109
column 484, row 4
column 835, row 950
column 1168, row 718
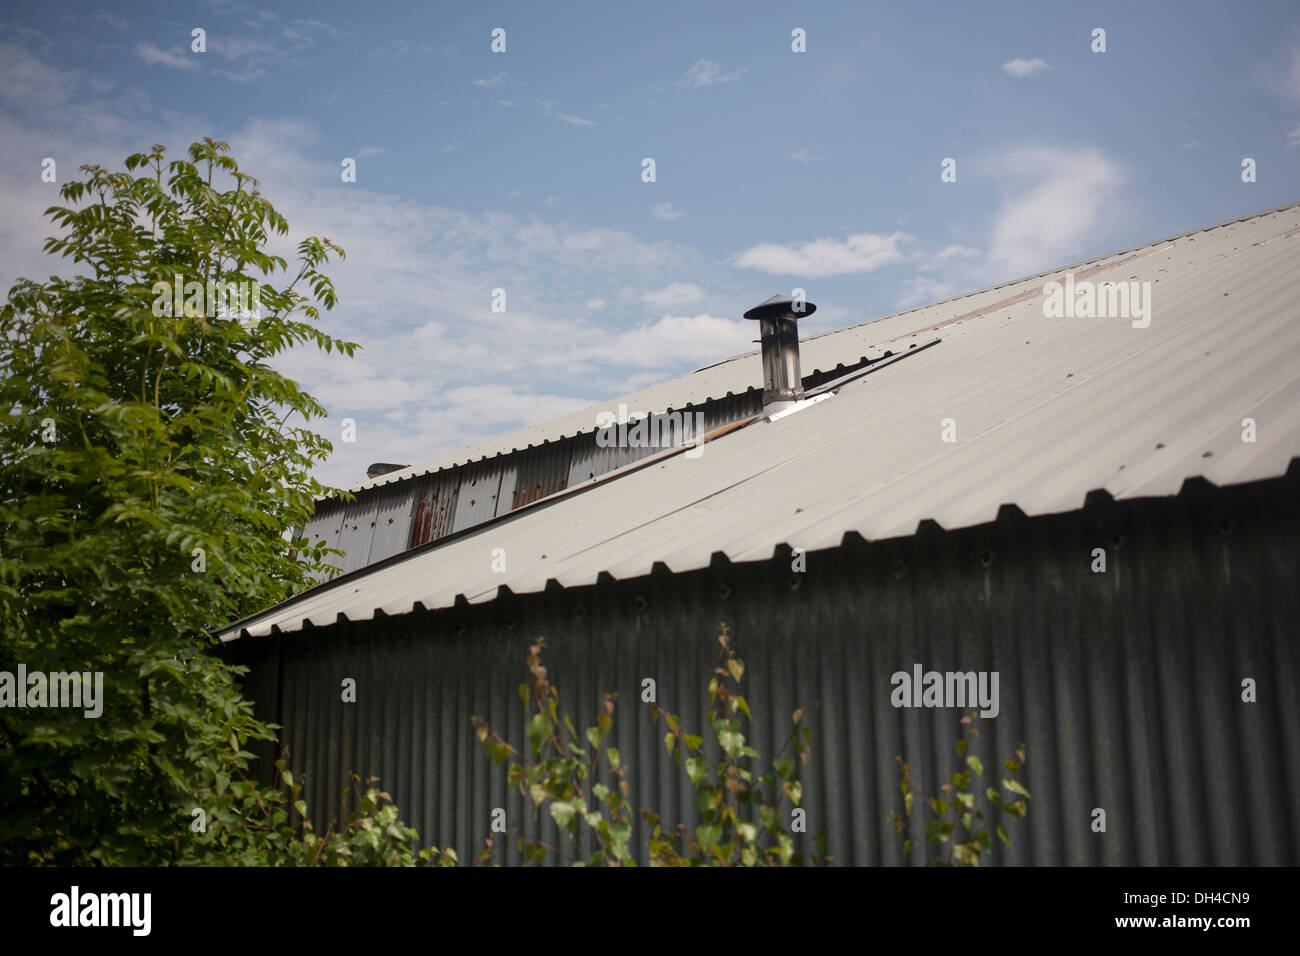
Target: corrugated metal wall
column 1125, row 685
column 435, row 505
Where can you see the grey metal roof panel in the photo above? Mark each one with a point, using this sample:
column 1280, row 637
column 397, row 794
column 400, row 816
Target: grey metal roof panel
column 1046, row 410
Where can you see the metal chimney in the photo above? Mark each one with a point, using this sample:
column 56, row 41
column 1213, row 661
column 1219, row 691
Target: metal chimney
column 782, row 382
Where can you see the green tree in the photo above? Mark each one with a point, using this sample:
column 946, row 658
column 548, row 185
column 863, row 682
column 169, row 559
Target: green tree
column 150, row 482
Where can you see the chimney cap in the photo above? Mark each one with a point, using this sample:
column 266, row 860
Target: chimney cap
column 383, row 468
column 780, row 305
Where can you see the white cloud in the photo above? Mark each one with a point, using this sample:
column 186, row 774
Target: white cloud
column 666, row 212
column 370, row 152
column 1022, row 68
column 674, row 340
column 707, row 73
column 236, row 47
column 27, row 83
column 1281, row 72
column 117, row 23
column 173, row 57
column 247, row 76
column 959, row 251
column 1293, row 137
column 548, row 107
column 923, row 290
column 574, row 120
column 804, row 156
column 861, row 252
column 595, row 304
column 320, row 25
column 496, row 79
column 1041, row 226
column 674, row 295
column 513, row 106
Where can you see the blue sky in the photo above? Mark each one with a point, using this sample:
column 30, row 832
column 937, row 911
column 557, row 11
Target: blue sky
column 774, row 169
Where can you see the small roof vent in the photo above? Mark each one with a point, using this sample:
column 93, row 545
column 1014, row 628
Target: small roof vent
column 383, row 468
column 777, row 318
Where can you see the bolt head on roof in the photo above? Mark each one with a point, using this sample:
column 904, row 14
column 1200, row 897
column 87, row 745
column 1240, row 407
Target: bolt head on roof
column 781, row 305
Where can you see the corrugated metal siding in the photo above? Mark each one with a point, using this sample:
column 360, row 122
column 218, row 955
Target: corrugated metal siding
column 1125, row 685
column 395, row 507
column 435, row 507
column 324, row 527
column 375, row 526
column 1045, row 411
column 480, row 486
column 542, row 471
column 357, row 533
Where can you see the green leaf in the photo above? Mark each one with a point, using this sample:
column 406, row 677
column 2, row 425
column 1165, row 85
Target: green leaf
column 729, row 739
column 1015, row 787
column 697, row 768
column 536, row 731
column 562, row 814
column 1002, row 835
column 737, row 668
column 975, row 764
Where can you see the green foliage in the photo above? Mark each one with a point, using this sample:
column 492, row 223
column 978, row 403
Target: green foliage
column 568, row 773
column 957, row 828
column 250, row 825
column 582, row 781
column 150, row 483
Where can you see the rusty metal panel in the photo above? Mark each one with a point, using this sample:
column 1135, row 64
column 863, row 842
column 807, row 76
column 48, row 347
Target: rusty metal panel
column 544, row 470
column 480, row 485
column 435, row 506
column 1125, row 686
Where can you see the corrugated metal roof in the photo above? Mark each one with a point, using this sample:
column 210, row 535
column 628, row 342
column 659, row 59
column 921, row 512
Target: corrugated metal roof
column 1045, row 410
